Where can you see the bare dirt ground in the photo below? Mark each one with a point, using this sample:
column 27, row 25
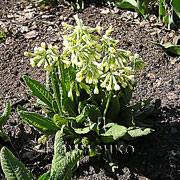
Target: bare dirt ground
column 155, row 157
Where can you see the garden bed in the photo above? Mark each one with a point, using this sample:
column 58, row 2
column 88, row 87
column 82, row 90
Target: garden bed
column 156, row 156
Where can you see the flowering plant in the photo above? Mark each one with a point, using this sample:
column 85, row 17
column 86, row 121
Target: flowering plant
column 88, row 90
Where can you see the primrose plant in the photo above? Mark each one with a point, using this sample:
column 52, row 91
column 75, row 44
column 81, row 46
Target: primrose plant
column 88, row 90
column 63, row 163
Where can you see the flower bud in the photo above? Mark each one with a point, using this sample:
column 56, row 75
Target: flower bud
column 96, row 90
column 43, row 45
column 128, row 53
column 109, row 87
column 70, row 95
column 116, row 87
column 136, row 56
column 111, row 49
column 40, row 62
column 131, row 58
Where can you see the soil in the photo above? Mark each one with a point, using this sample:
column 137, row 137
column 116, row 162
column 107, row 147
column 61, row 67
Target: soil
column 156, row 156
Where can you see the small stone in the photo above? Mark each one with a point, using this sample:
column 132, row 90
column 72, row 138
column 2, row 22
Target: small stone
column 135, row 15
column 31, row 34
column 151, row 76
column 24, row 29
column 171, row 96
column 173, row 130
column 105, row 11
column 115, row 10
column 171, row 34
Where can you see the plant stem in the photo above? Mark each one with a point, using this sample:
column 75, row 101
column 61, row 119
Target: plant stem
column 56, row 93
column 107, row 104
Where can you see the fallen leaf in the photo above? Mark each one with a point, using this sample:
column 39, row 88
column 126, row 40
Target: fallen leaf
column 31, row 34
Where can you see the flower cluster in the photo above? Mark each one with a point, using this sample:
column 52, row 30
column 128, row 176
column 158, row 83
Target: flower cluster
column 96, row 60
column 41, row 55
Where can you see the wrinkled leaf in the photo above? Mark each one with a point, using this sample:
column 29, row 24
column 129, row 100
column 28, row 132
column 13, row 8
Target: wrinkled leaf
column 82, row 117
column 141, row 115
column 12, row 167
column 4, row 137
column 5, row 114
column 143, row 6
column 45, row 176
column 169, row 47
column 127, row 4
column 94, row 113
column 114, row 108
column 84, row 130
column 176, row 6
column 114, row 133
column 39, row 91
column 42, row 124
column 63, row 163
column 135, row 132
column 60, row 121
column 140, row 105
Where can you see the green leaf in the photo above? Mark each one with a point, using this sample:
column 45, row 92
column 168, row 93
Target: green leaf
column 12, row 167
column 126, row 117
column 94, row 113
column 63, row 163
column 176, row 6
column 56, row 90
column 82, row 117
column 45, row 176
column 59, row 149
column 140, row 105
column 125, row 97
column 42, row 124
column 49, row 82
column 138, row 64
column 39, row 104
column 5, row 114
column 162, row 10
column 141, row 115
column 21, row 108
column 84, row 130
column 114, row 133
column 135, row 132
column 64, row 168
column 4, row 137
column 127, row 4
column 39, row 91
column 143, row 6
column 169, row 47
column 114, row 108
column 60, row 121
